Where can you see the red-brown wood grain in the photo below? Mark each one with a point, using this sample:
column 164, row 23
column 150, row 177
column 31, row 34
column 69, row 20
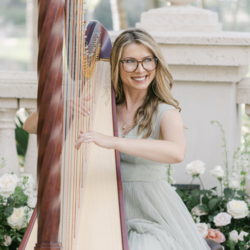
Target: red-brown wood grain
column 28, row 230
column 49, row 105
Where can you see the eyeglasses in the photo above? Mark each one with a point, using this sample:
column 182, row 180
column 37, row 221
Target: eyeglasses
column 130, row 65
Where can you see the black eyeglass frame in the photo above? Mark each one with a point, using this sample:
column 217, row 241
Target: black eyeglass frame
column 141, row 62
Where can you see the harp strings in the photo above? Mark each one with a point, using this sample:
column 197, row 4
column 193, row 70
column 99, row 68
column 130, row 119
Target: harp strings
column 78, row 93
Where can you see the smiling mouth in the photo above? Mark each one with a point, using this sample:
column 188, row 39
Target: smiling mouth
column 140, row 79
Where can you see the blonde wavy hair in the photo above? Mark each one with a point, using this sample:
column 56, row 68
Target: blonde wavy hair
column 159, row 90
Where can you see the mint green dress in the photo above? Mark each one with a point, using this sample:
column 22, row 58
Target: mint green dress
column 156, row 217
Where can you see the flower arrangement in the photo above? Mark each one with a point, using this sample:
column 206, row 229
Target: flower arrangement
column 18, row 197
column 223, row 217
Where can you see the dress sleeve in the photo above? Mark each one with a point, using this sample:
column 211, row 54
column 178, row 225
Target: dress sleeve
column 162, row 108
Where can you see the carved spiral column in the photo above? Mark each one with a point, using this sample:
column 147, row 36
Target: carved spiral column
column 50, row 37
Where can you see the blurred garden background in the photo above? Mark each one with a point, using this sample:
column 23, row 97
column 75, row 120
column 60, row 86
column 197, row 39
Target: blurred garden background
column 15, row 53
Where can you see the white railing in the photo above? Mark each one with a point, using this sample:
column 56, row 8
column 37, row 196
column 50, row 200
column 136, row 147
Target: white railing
column 17, row 90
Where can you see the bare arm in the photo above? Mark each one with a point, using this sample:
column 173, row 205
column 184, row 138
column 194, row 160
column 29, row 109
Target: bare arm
column 30, row 124
column 171, row 149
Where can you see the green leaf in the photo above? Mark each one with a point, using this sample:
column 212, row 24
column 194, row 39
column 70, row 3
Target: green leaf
column 212, row 204
column 10, row 201
column 195, row 192
column 194, row 200
column 203, row 207
column 229, row 193
column 209, row 192
column 8, row 211
column 231, row 244
column 238, row 198
column 214, row 188
column 205, row 200
column 211, row 217
column 203, row 191
column 179, row 192
column 241, row 193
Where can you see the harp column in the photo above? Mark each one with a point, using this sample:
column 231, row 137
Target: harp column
column 49, row 130
column 209, row 68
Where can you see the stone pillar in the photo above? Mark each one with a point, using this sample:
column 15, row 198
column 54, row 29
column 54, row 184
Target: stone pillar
column 207, row 64
column 30, row 165
column 8, row 108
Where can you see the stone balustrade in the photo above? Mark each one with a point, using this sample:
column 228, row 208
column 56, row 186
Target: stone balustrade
column 17, row 90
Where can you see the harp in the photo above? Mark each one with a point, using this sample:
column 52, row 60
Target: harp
column 80, row 199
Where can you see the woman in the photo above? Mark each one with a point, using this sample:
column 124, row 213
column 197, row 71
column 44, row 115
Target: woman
column 150, row 135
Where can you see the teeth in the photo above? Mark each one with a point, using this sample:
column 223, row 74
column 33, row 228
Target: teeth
column 140, row 79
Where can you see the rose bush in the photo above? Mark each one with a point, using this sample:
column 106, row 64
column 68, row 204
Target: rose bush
column 223, row 216
column 17, row 202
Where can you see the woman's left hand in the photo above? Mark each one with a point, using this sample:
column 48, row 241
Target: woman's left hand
column 101, row 140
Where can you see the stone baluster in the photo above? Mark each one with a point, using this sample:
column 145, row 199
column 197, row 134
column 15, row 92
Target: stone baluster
column 30, row 165
column 8, row 108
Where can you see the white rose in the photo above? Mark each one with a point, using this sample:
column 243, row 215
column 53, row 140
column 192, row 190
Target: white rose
column 18, row 218
column 7, row 241
column 32, row 200
column 238, row 209
column 8, row 183
column 203, row 229
column 233, row 236
column 222, row 219
column 234, row 182
column 198, row 212
column 195, row 167
column 31, row 182
column 242, row 233
column 218, row 172
column 28, row 190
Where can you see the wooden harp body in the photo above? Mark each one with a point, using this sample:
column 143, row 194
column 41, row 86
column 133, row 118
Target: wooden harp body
column 80, row 199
